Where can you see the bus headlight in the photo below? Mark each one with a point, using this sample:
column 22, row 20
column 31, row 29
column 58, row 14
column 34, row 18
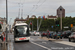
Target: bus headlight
column 16, row 38
column 28, row 37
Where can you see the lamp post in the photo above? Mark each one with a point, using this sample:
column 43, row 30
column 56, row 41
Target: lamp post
column 37, row 24
column 9, row 25
column 61, row 19
column 32, row 25
column 6, row 18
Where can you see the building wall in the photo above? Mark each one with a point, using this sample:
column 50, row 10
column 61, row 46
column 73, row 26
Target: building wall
column 51, row 17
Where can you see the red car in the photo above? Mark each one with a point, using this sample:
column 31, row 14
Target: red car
column 44, row 34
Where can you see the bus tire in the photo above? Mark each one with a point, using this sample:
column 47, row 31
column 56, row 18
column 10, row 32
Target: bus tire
column 15, row 41
column 27, row 40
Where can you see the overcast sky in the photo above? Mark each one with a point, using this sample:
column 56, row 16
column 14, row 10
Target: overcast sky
column 35, row 7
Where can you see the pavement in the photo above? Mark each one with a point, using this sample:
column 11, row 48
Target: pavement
column 10, row 42
column 0, row 44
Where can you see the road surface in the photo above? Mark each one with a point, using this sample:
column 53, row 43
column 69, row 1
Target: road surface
column 40, row 44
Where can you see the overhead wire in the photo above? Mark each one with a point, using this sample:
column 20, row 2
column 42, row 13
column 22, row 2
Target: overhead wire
column 39, row 5
column 34, row 6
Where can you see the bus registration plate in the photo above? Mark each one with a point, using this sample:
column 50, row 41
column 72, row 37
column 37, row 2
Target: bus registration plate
column 22, row 38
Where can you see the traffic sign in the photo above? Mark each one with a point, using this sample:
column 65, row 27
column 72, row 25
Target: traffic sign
column 66, row 27
column 71, row 25
column 52, row 26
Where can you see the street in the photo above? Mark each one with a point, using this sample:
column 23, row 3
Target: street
column 40, row 44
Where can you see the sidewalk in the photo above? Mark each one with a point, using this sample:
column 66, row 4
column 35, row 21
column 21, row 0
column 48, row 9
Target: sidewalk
column 0, row 44
column 10, row 42
column 3, row 45
column 50, row 39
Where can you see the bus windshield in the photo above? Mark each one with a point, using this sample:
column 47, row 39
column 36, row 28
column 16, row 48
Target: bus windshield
column 21, row 30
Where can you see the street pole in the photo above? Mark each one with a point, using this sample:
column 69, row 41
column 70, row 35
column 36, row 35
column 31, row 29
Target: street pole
column 37, row 24
column 61, row 19
column 32, row 25
column 10, row 25
column 6, row 19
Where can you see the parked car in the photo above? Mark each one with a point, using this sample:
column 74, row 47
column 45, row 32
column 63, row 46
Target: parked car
column 36, row 33
column 66, row 34
column 44, row 34
column 72, row 37
column 57, row 35
column 31, row 32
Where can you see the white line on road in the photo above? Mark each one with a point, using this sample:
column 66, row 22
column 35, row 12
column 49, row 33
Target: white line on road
column 44, row 42
column 41, row 46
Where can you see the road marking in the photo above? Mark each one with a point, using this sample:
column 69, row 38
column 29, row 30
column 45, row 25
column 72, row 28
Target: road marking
column 66, row 43
column 41, row 46
column 31, row 39
column 44, row 42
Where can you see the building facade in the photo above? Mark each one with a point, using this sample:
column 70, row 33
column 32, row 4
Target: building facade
column 59, row 10
column 51, row 17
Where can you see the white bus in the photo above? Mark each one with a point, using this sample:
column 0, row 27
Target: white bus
column 21, row 32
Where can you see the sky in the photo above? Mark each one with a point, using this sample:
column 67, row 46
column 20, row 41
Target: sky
column 35, row 7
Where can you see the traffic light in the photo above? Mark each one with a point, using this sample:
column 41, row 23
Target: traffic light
column 57, row 23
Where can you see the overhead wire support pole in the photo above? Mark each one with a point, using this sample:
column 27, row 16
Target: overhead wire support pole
column 32, row 24
column 6, row 18
column 22, row 11
column 61, row 19
column 37, row 24
column 19, row 10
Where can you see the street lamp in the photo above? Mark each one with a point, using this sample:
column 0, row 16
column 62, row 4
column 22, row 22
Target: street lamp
column 6, row 18
column 9, row 25
column 61, row 19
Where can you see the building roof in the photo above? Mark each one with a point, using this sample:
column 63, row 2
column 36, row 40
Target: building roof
column 20, row 20
column 60, row 7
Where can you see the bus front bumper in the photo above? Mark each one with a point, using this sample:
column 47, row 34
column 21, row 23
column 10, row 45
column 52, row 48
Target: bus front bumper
column 22, row 38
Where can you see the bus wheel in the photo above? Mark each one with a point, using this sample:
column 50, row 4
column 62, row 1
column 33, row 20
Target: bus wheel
column 15, row 41
column 27, row 40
